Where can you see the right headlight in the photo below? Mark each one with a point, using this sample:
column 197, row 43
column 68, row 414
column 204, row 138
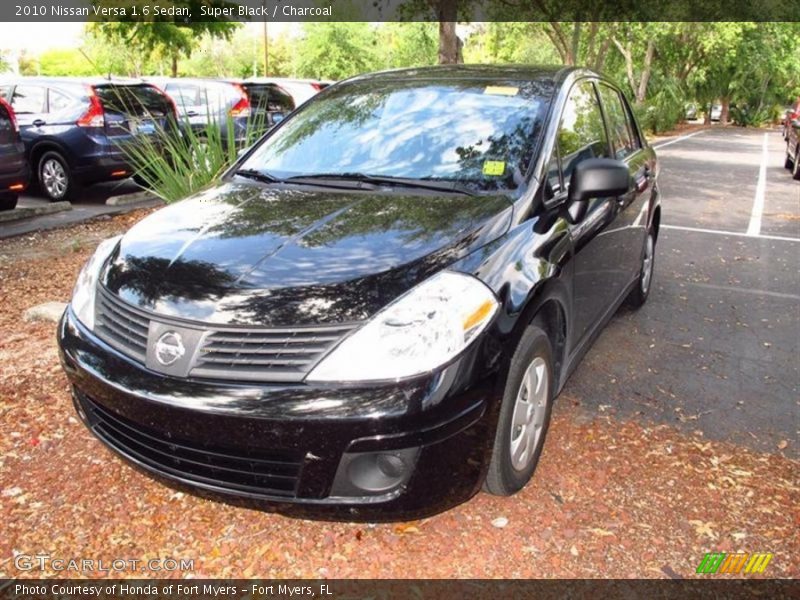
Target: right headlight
column 85, row 287
column 417, row 333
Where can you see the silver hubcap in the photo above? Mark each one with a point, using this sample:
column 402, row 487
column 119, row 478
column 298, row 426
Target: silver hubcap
column 647, row 264
column 530, row 409
column 54, row 178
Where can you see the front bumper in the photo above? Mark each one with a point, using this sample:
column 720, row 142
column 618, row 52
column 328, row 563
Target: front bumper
column 239, row 440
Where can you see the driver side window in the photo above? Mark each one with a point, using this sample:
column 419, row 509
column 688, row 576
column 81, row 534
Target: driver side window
column 581, row 135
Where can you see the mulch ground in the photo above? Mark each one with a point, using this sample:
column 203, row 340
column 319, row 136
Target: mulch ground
column 610, row 499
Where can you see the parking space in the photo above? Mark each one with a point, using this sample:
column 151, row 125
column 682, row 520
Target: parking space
column 715, row 349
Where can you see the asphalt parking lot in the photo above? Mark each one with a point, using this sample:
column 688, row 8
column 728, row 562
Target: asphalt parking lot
column 716, row 347
column 676, row 436
column 90, row 204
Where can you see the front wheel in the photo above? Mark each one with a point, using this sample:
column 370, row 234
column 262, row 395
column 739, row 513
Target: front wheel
column 641, row 292
column 524, row 415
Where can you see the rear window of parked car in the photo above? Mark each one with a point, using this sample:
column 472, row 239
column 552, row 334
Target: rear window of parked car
column 135, row 100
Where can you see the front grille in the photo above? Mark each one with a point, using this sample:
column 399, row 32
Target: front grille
column 280, row 354
column 270, row 355
column 264, row 473
column 117, row 324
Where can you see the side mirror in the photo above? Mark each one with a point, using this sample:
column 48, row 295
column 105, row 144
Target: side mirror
column 595, row 178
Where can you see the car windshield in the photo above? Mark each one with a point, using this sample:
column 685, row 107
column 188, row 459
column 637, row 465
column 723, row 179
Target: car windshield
column 473, row 132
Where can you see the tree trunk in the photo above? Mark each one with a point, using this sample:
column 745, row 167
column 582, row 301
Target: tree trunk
column 641, row 92
column 448, row 40
column 174, row 64
column 726, row 107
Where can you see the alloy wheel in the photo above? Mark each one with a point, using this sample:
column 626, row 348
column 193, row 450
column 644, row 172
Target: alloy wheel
column 54, row 178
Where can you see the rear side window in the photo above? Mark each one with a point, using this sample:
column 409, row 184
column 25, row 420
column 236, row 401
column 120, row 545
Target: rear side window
column 58, row 101
column 620, row 128
column 185, row 95
column 29, row 99
column 134, row 100
column 581, row 134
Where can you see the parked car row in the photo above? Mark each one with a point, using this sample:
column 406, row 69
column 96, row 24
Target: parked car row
column 63, row 133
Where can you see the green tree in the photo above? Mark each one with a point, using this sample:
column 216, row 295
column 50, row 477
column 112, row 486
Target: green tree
column 403, row 44
column 336, row 50
column 164, row 37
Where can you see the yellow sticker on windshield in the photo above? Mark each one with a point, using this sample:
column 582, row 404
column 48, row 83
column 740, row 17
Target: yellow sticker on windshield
column 501, row 90
column 494, row 167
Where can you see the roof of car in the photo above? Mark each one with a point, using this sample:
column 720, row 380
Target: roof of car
column 462, row 72
column 69, row 80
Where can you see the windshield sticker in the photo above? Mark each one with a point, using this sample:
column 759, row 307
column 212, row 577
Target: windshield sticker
column 494, row 167
column 501, row 90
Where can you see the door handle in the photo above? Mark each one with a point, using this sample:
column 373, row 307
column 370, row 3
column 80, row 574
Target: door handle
column 39, row 123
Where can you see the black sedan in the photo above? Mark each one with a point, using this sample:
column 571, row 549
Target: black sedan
column 14, row 173
column 372, row 313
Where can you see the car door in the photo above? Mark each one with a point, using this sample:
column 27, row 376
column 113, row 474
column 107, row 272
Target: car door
column 597, row 280
column 30, row 105
column 632, row 207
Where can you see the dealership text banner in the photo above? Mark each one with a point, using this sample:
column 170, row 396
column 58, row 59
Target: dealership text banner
column 439, row 589
column 188, row 11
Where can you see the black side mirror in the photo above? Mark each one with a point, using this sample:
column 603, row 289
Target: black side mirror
column 595, row 178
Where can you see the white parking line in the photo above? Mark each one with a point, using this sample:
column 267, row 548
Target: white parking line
column 754, row 229
column 777, row 238
column 679, row 139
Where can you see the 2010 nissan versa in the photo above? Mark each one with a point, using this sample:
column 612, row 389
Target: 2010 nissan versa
column 370, row 316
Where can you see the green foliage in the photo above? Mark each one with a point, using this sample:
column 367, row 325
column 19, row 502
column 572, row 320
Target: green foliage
column 336, row 50
column 65, row 62
column 175, row 166
column 408, row 44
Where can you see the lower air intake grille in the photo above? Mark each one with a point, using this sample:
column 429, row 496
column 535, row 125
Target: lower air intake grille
column 271, row 474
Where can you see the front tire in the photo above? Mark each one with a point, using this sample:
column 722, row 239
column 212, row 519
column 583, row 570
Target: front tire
column 524, row 415
column 644, row 283
column 55, row 177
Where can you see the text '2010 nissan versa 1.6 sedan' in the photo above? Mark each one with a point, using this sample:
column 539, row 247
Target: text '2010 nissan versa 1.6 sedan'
column 371, row 314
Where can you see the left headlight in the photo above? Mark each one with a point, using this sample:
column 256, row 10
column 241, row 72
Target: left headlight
column 417, row 333
column 85, row 288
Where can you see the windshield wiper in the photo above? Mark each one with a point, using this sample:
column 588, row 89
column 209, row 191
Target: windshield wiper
column 261, row 176
column 428, row 184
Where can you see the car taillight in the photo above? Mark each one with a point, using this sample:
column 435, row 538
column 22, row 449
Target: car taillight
column 317, row 86
column 95, row 116
column 242, row 107
column 11, row 114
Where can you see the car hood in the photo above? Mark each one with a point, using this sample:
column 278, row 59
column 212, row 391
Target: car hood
column 245, row 254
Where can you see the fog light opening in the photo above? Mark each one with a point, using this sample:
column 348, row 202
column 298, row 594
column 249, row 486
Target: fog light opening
column 373, row 473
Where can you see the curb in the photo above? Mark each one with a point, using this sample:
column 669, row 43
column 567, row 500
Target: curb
column 27, row 212
column 134, row 198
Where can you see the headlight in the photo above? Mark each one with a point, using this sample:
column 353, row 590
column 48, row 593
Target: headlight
column 419, row 332
column 83, row 295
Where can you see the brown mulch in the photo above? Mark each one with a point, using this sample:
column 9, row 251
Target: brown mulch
column 610, row 498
